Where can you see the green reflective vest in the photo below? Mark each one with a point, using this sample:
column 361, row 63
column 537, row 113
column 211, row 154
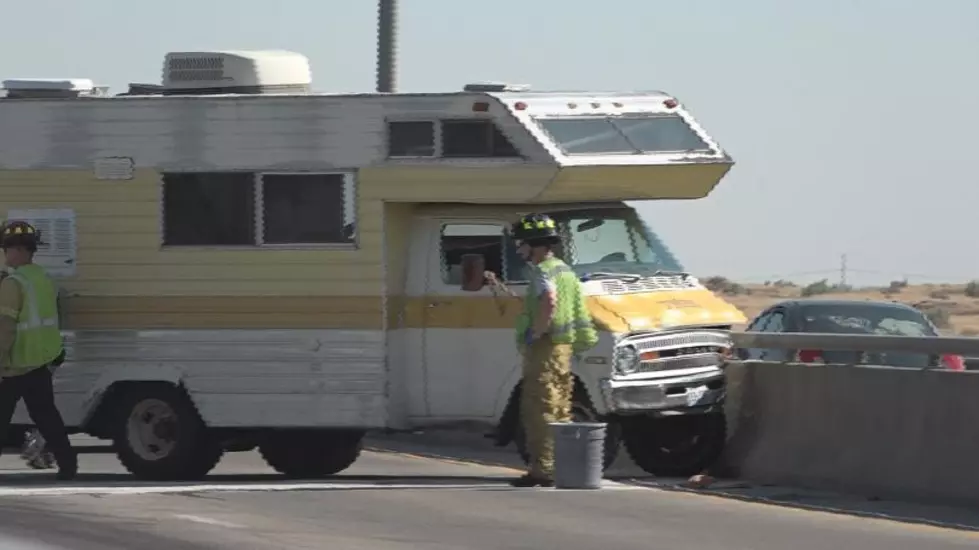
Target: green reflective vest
column 572, row 323
column 38, row 341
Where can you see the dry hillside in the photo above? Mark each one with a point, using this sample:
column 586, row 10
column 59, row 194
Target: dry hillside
column 953, row 307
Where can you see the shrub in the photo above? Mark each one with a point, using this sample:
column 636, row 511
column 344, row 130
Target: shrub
column 897, row 286
column 972, row 289
column 716, row 283
column 938, row 315
column 723, row 285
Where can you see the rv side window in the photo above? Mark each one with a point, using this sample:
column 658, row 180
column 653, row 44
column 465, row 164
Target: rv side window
column 307, row 208
column 486, row 239
column 411, row 139
column 474, row 139
column 208, row 209
column 220, row 209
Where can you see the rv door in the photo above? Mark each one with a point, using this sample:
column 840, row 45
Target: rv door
column 468, row 345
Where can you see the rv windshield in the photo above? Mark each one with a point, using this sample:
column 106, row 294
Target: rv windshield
column 608, row 240
column 629, row 134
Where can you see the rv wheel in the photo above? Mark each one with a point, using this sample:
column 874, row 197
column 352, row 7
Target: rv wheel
column 312, row 454
column 159, row 436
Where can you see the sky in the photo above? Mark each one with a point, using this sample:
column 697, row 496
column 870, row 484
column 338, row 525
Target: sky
column 851, row 122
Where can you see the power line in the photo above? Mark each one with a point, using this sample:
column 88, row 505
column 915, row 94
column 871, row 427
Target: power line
column 844, row 270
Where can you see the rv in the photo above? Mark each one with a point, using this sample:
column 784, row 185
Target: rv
column 244, row 263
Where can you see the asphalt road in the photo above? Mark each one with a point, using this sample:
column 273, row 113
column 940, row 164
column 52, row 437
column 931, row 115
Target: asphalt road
column 399, row 500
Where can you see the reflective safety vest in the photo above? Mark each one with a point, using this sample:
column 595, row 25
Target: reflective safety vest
column 38, row 341
column 571, row 323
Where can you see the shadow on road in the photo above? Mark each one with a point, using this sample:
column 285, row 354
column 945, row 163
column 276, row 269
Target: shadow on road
column 473, row 448
column 125, row 480
column 830, row 502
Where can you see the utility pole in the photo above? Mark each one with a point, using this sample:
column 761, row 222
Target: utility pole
column 387, row 47
column 843, row 271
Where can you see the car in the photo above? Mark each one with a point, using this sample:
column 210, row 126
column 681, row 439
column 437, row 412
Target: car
column 847, row 317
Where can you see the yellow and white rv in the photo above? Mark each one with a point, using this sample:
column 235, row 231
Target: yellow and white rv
column 245, row 263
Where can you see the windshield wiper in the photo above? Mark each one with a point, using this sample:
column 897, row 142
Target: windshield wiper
column 631, row 277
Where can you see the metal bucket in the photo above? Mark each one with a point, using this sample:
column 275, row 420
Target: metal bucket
column 579, row 449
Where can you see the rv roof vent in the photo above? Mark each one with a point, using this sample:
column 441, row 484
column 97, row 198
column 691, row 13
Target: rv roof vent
column 495, row 87
column 236, row 72
column 51, row 88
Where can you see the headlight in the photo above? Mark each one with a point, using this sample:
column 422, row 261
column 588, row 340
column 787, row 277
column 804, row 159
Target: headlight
column 626, row 360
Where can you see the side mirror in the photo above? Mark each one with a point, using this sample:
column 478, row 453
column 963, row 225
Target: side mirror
column 473, row 270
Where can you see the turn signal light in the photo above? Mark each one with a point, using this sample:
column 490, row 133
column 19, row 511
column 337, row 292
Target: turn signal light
column 649, row 356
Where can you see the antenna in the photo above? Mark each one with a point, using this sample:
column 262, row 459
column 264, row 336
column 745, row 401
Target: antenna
column 843, row 271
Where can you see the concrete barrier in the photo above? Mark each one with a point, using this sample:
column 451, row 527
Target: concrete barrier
column 875, row 431
column 972, row 363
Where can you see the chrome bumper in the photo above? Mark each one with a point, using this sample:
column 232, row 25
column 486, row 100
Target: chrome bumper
column 663, row 394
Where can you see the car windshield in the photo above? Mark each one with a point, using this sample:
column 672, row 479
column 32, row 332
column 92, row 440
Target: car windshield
column 870, row 319
column 866, row 319
column 609, row 241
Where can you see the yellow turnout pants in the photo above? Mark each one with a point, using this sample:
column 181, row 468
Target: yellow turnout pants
column 545, row 397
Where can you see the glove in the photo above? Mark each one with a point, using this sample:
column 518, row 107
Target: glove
column 528, row 337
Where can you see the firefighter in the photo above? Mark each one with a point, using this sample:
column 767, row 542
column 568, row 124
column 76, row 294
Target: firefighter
column 30, row 343
column 554, row 326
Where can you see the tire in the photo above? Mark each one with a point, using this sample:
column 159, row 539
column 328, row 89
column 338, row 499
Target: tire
column 677, row 446
column 159, row 436
column 581, row 411
column 305, row 455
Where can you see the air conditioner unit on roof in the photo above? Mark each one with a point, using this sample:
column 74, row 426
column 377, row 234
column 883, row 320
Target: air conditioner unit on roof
column 236, row 72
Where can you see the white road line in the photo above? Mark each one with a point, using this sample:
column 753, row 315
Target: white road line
column 208, row 521
column 258, row 487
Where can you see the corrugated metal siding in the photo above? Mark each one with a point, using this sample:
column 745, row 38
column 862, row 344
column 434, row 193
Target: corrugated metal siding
column 119, row 255
column 397, row 223
column 243, row 378
column 505, row 183
column 119, row 245
column 314, row 132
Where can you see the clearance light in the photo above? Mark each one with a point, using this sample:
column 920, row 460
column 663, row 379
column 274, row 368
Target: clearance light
column 617, row 104
column 671, row 103
column 520, row 105
column 572, row 105
column 595, row 105
column 480, row 107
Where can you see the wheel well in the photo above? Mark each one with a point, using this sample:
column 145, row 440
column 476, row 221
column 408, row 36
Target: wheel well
column 511, row 414
column 99, row 423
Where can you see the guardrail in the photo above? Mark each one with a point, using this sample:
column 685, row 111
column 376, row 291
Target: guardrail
column 857, row 342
